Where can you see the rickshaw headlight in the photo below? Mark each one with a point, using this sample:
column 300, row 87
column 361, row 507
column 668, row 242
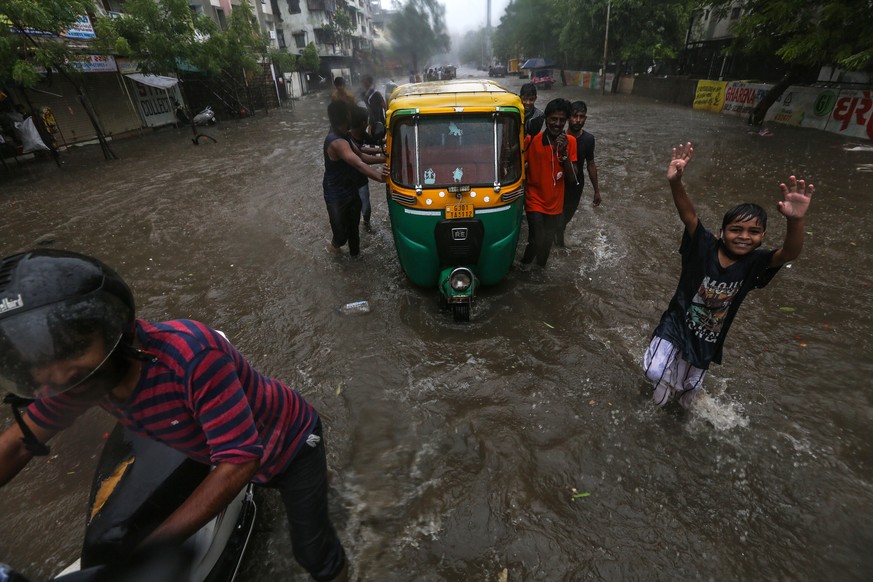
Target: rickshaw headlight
column 461, row 279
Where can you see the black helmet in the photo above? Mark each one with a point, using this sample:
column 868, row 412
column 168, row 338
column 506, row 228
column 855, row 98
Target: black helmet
column 54, row 306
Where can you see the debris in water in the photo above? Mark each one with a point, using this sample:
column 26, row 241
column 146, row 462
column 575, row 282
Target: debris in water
column 787, row 309
column 576, row 495
column 549, row 326
column 503, row 576
column 857, row 148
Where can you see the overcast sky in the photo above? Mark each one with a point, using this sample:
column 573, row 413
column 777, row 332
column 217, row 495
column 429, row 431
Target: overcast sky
column 464, row 15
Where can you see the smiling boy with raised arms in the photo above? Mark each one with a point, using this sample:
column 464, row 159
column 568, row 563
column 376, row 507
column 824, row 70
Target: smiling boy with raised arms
column 717, row 273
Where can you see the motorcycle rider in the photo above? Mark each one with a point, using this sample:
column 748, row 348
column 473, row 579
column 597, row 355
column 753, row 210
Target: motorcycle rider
column 69, row 339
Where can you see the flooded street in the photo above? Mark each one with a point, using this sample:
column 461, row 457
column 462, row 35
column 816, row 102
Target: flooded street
column 457, row 447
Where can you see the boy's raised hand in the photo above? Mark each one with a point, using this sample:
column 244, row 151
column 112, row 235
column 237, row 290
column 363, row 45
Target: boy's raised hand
column 795, row 198
column 681, row 156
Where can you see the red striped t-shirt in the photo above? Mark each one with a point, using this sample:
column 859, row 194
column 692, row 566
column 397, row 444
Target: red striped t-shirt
column 199, row 395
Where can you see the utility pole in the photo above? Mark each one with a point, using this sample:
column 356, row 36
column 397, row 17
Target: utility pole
column 488, row 55
column 605, row 44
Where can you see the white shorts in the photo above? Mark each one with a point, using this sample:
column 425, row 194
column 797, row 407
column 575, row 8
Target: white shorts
column 671, row 374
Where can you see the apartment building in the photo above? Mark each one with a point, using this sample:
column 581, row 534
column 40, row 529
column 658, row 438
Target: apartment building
column 347, row 49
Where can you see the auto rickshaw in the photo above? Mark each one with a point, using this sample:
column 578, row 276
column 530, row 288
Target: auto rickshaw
column 456, row 186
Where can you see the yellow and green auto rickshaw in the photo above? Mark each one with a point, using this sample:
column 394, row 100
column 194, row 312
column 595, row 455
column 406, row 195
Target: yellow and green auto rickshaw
column 456, row 188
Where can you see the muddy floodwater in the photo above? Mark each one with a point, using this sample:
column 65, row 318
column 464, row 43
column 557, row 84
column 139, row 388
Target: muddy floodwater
column 457, row 448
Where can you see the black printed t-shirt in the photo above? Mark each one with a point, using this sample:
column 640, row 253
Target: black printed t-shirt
column 708, row 296
column 584, row 151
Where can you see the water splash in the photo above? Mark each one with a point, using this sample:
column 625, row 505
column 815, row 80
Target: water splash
column 721, row 413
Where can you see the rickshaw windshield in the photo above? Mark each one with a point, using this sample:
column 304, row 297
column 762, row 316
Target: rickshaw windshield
column 443, row 150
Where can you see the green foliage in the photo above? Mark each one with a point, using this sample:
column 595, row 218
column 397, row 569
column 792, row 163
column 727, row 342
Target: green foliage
column 341, row 26
column 530, row 28
column 309, row 59
column 243, row 44
column 418, row 31
column 470, row 49
column 284, row 61
column 21, row 54
column 571, row 32
column 162, row 34
column 807, row 33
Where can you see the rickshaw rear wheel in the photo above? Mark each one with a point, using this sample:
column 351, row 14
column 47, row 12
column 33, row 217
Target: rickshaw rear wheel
column 461, row 312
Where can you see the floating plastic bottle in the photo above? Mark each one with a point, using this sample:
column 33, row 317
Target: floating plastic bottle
column 355, row 308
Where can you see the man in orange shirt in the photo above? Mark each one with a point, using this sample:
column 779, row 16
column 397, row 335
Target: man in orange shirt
column 548, row 156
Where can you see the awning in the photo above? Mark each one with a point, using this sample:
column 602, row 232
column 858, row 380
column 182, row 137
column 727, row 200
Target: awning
column 154, row 80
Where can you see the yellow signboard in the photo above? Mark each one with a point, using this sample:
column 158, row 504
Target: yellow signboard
column 710, row 95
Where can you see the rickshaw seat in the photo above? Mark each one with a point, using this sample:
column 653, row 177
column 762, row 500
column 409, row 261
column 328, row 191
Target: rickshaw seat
column 476, row 162
column 473, row 173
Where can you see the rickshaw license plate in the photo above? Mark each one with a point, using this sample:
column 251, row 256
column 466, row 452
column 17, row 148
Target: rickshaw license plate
column 459, row 211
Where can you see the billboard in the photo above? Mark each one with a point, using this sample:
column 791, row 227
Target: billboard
column 803, row 107
column 740, row 98
column 709, row 95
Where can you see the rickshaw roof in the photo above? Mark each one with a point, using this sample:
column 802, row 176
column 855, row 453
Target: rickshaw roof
column 453, row 93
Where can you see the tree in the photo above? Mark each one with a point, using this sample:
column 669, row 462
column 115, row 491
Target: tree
column 309, row 59
column 284, row 61
column 164, row 35
column 471, row 47
column 243, row 47
column 418, row 31
column 805, row 34
column 30, row 40
column 572, row 32
column 244, row 44
column 341, row 25
column 25, row 44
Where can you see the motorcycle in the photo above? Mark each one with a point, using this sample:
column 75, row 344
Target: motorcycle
column 205, row 117
column 138, row 483
column 456, row 185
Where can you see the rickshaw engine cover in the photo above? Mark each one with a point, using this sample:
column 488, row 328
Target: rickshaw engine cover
column 459, row 241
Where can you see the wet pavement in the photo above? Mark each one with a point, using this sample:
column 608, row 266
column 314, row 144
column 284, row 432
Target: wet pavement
column 457, row 447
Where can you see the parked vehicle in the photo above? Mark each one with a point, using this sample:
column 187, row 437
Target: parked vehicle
column 205, row 117
column 543, row 79
column 497, row 71
column 456, row 185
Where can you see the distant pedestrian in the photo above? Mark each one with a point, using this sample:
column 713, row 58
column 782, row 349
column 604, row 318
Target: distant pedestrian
column 376, row 107
column 343, row 167
column 548, row 157
column 575, row 182
column 533, row 117
column 717, row 273
column 340, row 93
column 369, row 149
